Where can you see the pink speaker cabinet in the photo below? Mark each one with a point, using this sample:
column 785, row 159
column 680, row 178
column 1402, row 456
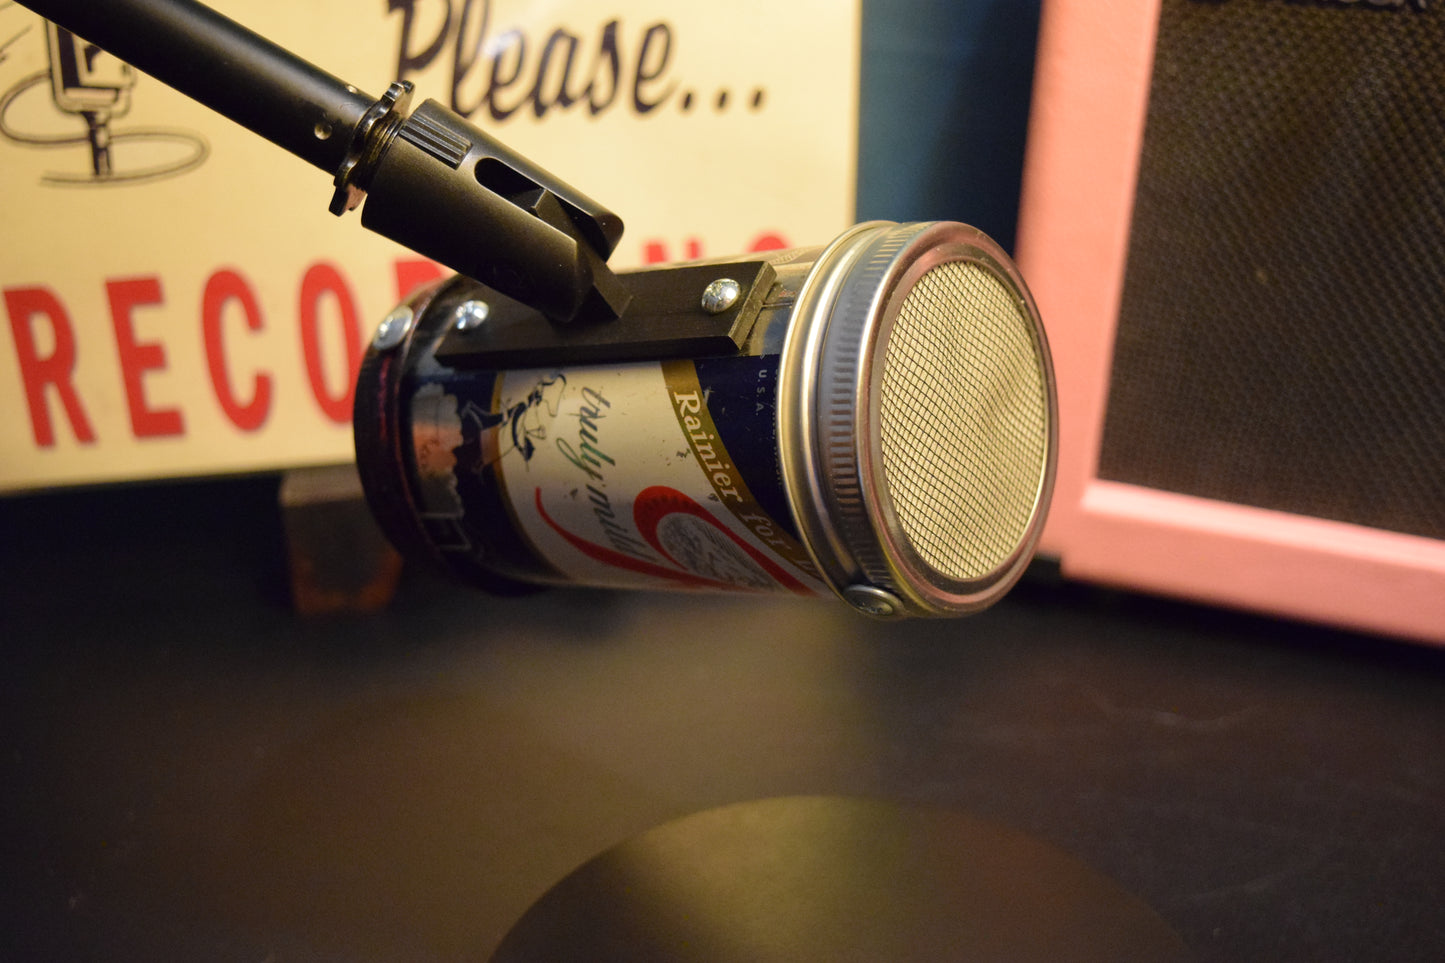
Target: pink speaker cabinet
column 1234, row 225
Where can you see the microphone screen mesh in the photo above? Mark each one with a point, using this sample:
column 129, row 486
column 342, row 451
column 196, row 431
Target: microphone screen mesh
column 963, row 420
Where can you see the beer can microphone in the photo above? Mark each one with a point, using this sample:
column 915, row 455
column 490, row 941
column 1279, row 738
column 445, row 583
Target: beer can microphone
column 875, row 420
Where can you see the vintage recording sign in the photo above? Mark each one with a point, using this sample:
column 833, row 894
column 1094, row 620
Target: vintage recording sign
column 178, row 301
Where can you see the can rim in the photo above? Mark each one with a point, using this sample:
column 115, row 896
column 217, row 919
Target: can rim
column 830, row 447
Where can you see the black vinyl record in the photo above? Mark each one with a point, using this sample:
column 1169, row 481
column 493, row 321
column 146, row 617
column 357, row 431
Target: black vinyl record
column 837, row 879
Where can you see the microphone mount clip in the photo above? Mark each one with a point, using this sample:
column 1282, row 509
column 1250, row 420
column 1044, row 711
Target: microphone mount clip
column 669, row 316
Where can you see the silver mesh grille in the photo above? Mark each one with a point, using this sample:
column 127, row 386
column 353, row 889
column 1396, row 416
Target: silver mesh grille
column 963, row 420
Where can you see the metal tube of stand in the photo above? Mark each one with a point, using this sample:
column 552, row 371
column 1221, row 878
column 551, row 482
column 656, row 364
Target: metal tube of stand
column 517, row 229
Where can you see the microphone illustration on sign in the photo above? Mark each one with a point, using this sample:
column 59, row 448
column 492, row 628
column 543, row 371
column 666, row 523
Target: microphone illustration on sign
column 88, row 83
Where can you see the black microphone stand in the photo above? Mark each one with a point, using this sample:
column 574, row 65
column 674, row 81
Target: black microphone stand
column 435, row 183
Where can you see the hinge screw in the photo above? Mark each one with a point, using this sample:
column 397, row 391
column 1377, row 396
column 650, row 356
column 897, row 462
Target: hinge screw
column 873, row 601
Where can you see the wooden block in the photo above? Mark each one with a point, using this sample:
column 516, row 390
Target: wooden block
column 339, row 559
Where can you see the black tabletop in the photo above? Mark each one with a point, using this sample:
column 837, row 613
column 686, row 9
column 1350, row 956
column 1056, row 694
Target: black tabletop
column 193, row 772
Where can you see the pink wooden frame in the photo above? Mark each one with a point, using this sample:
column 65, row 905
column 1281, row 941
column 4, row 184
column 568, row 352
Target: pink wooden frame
column 1086, row 128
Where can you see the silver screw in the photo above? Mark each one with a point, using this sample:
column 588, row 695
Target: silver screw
column 873, row 601
column 471, row 315
column 721, row 295
column 393, row 329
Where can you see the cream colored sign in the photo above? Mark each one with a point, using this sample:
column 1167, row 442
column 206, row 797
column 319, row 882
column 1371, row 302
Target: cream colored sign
column 178, row 301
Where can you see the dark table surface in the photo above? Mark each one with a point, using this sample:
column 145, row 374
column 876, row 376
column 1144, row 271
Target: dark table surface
column 192, row 772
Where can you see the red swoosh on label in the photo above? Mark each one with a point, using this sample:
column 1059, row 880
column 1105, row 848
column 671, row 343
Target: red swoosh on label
column 655, row 503
column 612, row 557
column 650, row 508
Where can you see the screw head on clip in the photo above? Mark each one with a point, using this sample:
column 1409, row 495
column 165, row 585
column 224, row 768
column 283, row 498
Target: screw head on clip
column 720, row 295
column 471, row 315
column 393, row 329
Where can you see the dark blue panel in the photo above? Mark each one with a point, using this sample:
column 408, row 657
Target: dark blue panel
column 944, row 110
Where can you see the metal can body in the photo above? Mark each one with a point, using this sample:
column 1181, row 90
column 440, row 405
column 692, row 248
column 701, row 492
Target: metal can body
column 652, row 474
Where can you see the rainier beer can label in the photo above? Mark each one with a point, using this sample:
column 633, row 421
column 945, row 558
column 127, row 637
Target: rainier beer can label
column 655, row 475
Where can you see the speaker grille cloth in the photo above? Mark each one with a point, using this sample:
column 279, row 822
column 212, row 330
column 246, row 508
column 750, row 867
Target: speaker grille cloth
column 1281, row 341
column 963, row 420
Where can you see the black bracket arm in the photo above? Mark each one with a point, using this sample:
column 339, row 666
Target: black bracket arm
column 680, row 311
column 445, row 189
